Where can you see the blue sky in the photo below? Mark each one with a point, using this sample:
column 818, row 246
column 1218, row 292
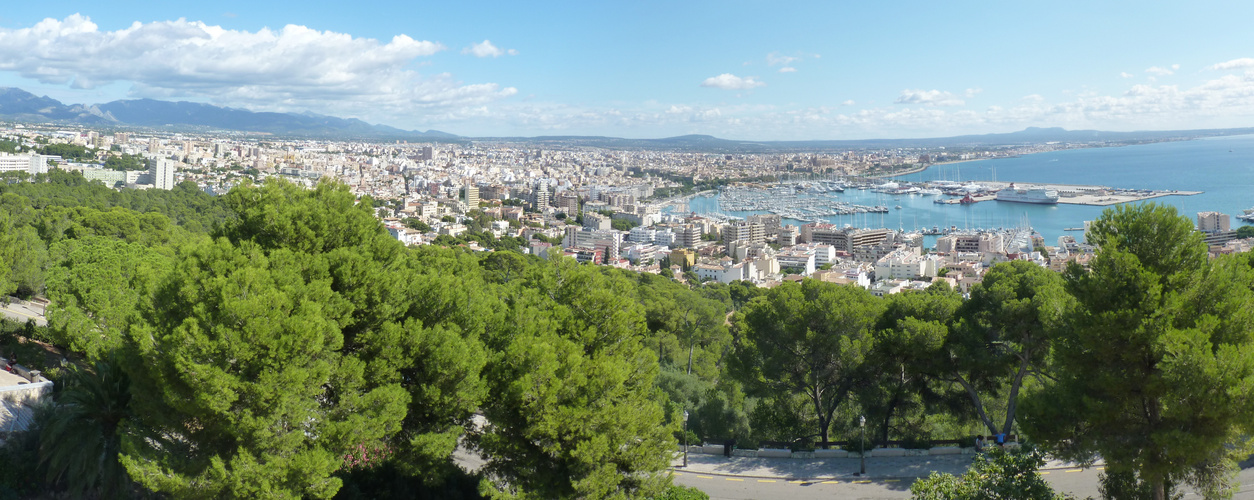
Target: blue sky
column 742, row 70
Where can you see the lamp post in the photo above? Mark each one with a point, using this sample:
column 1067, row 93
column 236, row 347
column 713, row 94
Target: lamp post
column 862, row 425
column 685, row 438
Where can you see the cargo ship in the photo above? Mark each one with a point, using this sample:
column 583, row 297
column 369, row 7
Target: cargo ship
column 1034, row 195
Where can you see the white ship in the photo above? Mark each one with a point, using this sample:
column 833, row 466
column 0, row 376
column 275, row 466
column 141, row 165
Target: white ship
column 1035, row 195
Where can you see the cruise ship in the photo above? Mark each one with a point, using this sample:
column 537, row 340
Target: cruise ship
column 1035, row 195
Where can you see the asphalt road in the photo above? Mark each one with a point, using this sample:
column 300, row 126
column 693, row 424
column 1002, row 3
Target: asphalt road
column 1079, row 482
column 20, row 313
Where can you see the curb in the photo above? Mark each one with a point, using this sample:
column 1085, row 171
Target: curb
column 818, row 479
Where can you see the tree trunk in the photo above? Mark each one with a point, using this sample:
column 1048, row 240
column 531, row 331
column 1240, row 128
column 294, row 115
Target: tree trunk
column 824, row 423
column 1160, row 489
column 979, row 405
column 691, row 346
column 1014, row 394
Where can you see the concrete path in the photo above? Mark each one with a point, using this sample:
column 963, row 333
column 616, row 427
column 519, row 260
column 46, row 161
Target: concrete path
column 833, row 468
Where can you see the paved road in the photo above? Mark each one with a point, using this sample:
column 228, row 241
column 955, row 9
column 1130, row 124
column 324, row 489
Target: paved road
column 1079, row 482
column 21, row 313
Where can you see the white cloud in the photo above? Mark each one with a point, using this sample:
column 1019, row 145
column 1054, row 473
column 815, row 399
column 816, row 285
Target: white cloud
column 777, row 59
column 787, row 69
column 293, row 68
column 486, row 49
column 1244, row 62
column 1157, row 71
column 1125, row 74
column 728, row 81
column 972, row 92
column 929, row 97
column 1222, row 102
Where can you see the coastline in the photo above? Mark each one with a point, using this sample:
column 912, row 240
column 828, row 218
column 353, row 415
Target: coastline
column 1093, row 146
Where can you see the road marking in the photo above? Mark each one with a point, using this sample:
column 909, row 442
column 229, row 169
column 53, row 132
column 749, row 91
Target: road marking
column 704, row 477
column 5, row 309
column 830, row 482
column 864, row 481
column 798, row 482
column 734, row 479
column 1074, row 470
column 1099, row 468
column 766, row 480
column 1045, row 472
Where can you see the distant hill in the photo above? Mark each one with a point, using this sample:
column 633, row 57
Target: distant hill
column 1031, row 135
column 20, row 105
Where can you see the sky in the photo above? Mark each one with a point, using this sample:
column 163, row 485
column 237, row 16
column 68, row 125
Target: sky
column 748, row 70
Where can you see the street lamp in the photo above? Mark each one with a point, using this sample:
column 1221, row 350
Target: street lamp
column 685, row 438
column 862, row 424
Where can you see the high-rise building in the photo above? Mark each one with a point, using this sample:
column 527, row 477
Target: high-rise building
column 746, row 232
column 162, row 171
column 770, row 223
column 540, row 198
column 844, row 239
column 1210, row 222
column 154, row 145
column 428, row 153
column 187, row 148
column 472, row 197
column 687, row 236
column 567, row 203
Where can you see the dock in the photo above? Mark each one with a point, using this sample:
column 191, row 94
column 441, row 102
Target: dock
column 1077, row 194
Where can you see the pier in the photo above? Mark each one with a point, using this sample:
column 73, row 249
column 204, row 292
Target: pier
column 1076, row 194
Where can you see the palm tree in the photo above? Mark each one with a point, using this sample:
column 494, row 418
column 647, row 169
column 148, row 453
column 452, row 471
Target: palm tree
column 81, row 440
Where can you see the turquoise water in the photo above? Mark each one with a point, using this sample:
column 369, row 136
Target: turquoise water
column 1222, row 167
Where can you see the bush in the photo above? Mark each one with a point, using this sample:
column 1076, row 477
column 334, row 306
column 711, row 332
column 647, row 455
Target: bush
column 1127, row 486
column 802, row 445
column 693, row 440
column 966, row 442
column 855, row 445
column 1006, row 475
column 676, row 492
column 916, row 442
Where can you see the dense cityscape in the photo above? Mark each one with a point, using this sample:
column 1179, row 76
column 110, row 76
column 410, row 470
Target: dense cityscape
column 648, row 250
column 621, row 208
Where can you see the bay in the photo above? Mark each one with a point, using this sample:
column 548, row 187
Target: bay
column 1221, row 167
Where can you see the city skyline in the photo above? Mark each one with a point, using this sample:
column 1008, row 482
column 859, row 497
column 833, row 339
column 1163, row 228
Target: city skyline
column 732, row 70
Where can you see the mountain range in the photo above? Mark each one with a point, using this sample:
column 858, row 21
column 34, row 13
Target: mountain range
column 19, row 105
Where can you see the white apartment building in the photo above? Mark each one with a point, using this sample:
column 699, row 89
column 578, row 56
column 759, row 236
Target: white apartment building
column 904, row 264
column 31, row 164
column 800, row 258
column 162, row 171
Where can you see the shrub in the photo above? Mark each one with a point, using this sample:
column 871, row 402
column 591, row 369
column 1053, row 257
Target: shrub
column 676, row 492
column 916, row 442
column 1005, row 475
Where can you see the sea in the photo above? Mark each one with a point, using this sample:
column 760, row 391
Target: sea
column 1221, row 167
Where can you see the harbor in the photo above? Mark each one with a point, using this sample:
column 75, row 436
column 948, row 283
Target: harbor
column 929, row 207
column 1069, row 194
